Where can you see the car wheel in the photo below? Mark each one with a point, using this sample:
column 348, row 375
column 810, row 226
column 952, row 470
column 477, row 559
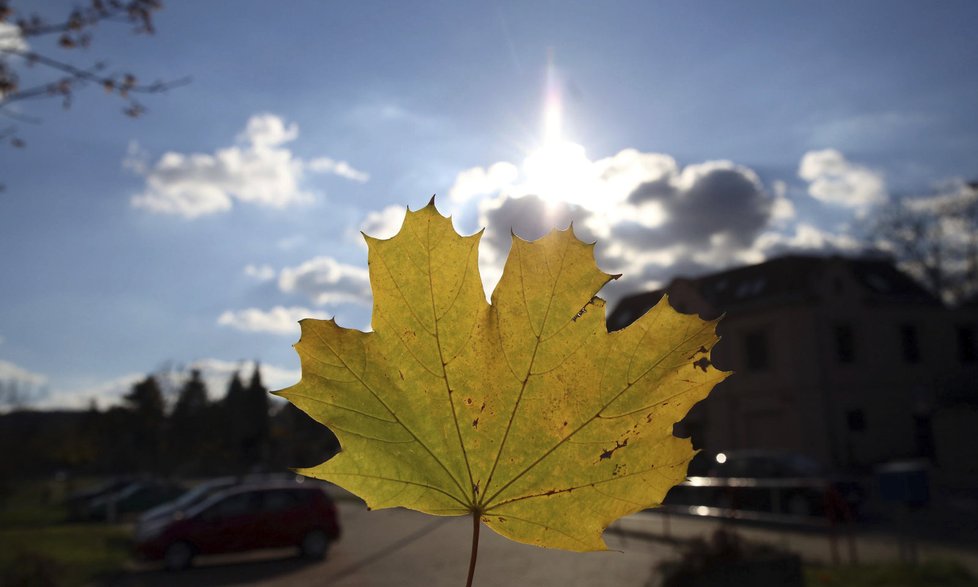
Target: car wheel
column 178, row 556
column 314, row 544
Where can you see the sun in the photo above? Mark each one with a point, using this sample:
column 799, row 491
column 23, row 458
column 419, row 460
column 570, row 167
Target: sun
column 558, row 171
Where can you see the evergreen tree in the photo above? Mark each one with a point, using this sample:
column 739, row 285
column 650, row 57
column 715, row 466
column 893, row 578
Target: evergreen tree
column 193, row 397
column 256, row 433
column 232, row 424
column 145, row 418
column 189, row 432
column 146, row 399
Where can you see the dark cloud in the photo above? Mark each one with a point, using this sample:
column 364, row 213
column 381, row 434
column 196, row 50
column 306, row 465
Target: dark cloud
column 706, row 202
column 530, row 218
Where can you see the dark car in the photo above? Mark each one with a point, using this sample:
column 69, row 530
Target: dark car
column 243, row 518
column 132, row 499
column 78, row 501
column 186, row 500
column 769, row 482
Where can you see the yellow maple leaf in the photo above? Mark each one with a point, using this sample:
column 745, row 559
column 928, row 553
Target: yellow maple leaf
column 525, row 412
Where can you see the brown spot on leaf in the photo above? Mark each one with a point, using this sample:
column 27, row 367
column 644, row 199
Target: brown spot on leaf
column 703, row 363
column 607, row 454
column 475, row 423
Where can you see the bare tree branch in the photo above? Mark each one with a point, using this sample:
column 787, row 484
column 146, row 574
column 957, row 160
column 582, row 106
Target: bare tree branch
column 73, row 32
column 935, row 238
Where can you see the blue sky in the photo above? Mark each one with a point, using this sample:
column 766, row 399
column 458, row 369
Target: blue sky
column 693, row 136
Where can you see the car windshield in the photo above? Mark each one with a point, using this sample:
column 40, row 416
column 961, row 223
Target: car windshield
column 193, row 495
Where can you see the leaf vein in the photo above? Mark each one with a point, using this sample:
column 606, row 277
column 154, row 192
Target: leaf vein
column 399, row 421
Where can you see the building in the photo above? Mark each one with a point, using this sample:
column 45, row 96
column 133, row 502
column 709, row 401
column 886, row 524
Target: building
column 847, row 360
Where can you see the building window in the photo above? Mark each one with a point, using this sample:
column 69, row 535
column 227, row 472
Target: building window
column 845, row 348
column 756, row 356
column 967, row 349
column 910, row 343
column 856, row 420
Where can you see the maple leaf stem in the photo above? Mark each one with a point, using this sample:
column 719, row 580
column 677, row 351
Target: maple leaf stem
column 475, row 547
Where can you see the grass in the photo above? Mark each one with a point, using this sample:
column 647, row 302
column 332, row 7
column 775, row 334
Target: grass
column 926, row 574
column 38, row 548
column 31, row 504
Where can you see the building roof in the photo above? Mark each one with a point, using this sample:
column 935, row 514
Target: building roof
column 791, row 278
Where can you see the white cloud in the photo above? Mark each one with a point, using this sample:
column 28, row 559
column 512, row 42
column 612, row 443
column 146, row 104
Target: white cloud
column 835, row 180
column 327, row 281
column 383, row 224
column 260, row 272
column 952, row 195
column 806, row 237
column 340, row 168
column 265, row 131
column 104, row 394
column 479, row 181
column 651, row 217
column 259, row 170
column 12, row 373
column 217, row 373
column 783, row 209
column 278, row 320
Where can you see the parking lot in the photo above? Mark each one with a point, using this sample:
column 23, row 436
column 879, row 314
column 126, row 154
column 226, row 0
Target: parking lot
column 399, row 547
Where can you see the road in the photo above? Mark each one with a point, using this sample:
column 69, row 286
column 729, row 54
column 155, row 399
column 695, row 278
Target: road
column 400, row 547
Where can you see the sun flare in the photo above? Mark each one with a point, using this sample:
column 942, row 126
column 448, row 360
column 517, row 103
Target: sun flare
column 558, row 171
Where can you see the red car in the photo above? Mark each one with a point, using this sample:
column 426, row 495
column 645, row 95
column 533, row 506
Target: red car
column 242, row 518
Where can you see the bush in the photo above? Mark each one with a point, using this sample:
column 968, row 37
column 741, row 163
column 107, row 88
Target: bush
column 728, row 560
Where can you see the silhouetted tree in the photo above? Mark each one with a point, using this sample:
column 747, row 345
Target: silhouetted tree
column 256, row 428
column 189, row 431
column 17, row 393
column 146, row 400
column 193, row 397
column 147, row 412
column 231, row 422
column 935, row 238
